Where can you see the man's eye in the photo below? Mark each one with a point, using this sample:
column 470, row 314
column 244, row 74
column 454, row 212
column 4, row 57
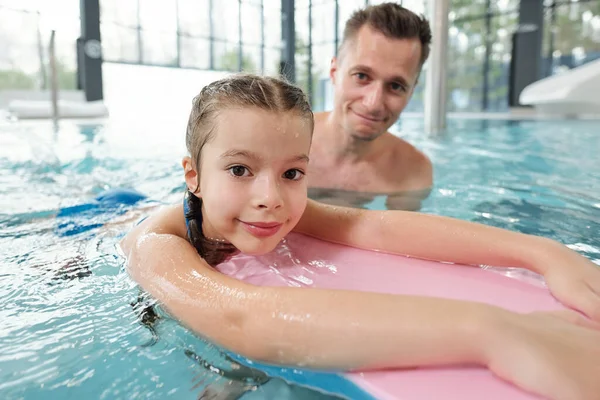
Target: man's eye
column 396, row 87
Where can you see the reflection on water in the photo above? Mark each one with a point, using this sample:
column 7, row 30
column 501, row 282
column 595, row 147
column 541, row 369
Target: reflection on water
column 409, row 200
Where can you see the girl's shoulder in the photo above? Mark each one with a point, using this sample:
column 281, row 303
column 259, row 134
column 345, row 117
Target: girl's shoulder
column 167, row 219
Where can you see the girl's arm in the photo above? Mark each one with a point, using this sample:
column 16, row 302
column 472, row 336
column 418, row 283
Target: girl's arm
column 572, row 278
column 421, row 236
column 299, row 326
column 354, row 330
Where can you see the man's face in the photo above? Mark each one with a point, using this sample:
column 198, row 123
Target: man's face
column 374, row 78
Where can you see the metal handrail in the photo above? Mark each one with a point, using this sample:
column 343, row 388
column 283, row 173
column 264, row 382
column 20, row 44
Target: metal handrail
column 53, row 76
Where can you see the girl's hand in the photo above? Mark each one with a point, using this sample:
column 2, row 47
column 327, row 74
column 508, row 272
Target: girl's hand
column 556, row 355
column 573, row 279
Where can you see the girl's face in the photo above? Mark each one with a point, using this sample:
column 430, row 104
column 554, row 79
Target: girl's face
column 252, row 180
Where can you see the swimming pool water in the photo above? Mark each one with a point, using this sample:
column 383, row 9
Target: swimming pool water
column 535, row 177
column 67, row 325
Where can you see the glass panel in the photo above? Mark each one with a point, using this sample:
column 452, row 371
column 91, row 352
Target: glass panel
column 158, row 15
column 251, row 17
column 272, row 59
column 159, row 48
column 25, row 30
column 501, row 6
column 124, row 13
column 194, row 17
column 20, row 57
column 272, row 26
column 251, row 59
column 466, row 52
column 301, row 60
column 547, row 43
column 502, row 27
column 225, row 20
column 118, row 29
column 576, row 35
column 195, row 53
column 466, row 8
column 301, row 19
column 226, row 56
column 300, row 4
column 323, row 23
column 272, row 4
column 119, row 43
column 66, row 53
column 321, row 62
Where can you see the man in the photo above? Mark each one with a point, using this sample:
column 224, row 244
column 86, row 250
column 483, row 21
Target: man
column 374, row 76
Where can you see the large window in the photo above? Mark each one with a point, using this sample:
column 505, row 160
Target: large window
column 25, row 30
column 246, row 35
column 499, row 56
column 229, row 35
column 571, row 34
column 480, row 46
column 479, row 53
column 466, row 54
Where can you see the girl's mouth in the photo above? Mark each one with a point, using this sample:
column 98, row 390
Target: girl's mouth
column 262, row 229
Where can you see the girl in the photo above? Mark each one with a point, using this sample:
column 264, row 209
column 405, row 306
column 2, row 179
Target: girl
column 249, row 138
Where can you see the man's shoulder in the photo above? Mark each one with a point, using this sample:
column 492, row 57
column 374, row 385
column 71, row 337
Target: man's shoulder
column 401, row 149
column 407, row 157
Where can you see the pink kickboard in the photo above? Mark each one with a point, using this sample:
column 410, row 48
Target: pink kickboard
column 307, row 262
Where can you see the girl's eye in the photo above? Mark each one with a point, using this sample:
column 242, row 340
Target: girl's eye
column 293, row 174
column 238, row 170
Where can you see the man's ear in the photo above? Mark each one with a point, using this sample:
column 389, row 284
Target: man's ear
column 333, row 69
column 191, row 176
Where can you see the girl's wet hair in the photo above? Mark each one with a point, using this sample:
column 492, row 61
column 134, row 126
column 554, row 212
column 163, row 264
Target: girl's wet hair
column 236, row 91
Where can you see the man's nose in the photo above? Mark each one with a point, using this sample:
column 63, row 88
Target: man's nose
column 373, row 98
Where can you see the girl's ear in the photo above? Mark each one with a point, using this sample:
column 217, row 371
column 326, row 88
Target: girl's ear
column 191, row 176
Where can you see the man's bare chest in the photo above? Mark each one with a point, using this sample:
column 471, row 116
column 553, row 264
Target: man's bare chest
column 363, row 176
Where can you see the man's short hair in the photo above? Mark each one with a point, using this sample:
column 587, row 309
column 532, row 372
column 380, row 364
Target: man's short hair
column 393, row 21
